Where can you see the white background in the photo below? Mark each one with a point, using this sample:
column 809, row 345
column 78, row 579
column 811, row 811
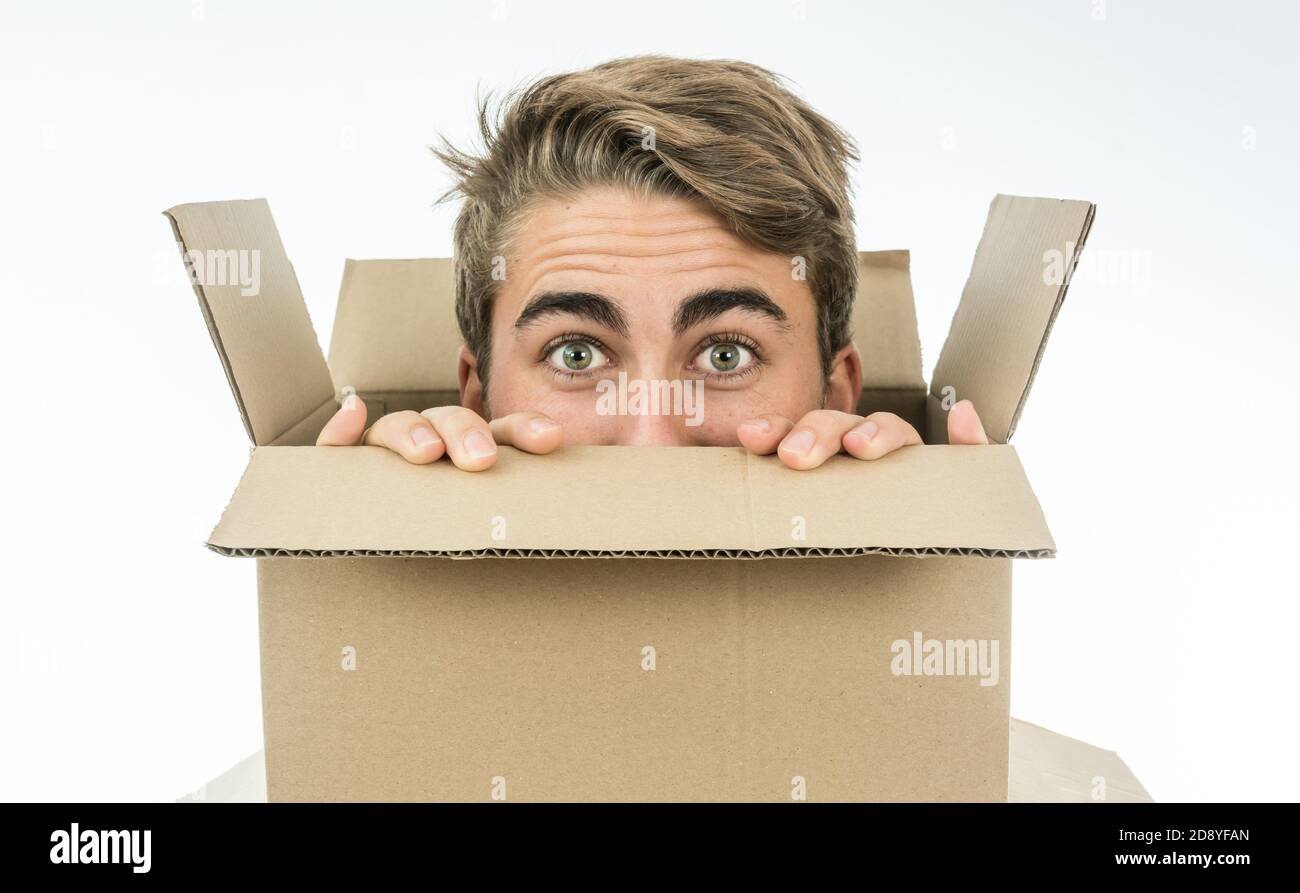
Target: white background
column 1159, row 437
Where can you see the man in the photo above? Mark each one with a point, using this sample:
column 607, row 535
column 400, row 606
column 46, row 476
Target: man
column 666, row 220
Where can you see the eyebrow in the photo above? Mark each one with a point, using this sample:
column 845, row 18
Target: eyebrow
column 714, row 302
column 586, row 305
column 698, row 308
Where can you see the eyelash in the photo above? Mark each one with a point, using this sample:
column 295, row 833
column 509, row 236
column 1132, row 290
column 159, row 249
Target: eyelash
column 731, row 338
column 569, row 375
column 569, row 338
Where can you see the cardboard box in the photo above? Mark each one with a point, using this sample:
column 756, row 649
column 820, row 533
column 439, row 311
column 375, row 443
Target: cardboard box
column 684, row 624
column 1045, row 768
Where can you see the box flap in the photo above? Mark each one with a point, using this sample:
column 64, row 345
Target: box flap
column 670, row 502
column 884, row 329
column 255, row 312
column 1016, row 285
column 395, row 331
column 884, row 322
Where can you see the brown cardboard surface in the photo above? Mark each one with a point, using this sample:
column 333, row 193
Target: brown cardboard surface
column 1043, row 767
column 884, row 322
column 534, row 673
column 1007, row 309
column 395, row 329
column 666, row 501
column 884, row 330
column 265, row 340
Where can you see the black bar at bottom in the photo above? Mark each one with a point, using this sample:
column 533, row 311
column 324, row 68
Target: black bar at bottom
column 206, row 842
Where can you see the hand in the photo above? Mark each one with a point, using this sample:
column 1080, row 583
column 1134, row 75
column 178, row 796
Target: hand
column 424, row 437
column 824, row 432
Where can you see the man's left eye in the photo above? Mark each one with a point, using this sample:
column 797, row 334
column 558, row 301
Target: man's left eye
column 724, row 358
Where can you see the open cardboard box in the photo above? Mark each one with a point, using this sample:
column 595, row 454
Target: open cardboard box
column 619, row 623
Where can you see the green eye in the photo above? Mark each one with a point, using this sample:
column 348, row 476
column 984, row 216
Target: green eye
column 724, row 357
column 724, row 360
column 577, row 355
column 573, row 357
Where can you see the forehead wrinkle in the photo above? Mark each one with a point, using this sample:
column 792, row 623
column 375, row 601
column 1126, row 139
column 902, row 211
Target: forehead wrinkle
column 591, row 263
column 631, row 246
column 683, row 258
column 696, row 257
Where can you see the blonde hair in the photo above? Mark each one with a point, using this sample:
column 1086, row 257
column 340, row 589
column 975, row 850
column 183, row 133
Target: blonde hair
column 725, row 132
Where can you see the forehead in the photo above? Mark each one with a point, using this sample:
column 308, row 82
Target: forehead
column 654, row 247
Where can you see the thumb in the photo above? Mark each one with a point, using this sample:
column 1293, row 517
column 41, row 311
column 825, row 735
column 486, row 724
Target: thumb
column 964, row 425
column 346, row 426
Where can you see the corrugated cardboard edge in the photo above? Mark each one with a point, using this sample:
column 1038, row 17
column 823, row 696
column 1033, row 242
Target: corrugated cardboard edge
column 957, row 341
column 694, row 554
column 214, row 333
column 279, row 404
column 1043, row 764
column 952, row 501
column 1051, row 320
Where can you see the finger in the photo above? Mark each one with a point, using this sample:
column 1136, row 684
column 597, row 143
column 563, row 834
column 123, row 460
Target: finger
column 530, row 431
column 468, row 438
column 964, row 425
column 762, row 435
column 345, row 426
column 879, row 434
column 408, row 434
column 816, row 437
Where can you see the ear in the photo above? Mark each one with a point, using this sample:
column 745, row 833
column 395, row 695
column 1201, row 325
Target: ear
column 844, row 384
column 471, row 386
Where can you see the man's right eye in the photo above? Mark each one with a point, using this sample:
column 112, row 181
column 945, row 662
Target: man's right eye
column 577, row 356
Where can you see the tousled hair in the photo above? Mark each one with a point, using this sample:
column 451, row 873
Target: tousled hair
column 725, row 132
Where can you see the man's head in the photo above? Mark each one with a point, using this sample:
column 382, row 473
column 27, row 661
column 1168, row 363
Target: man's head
column 666, row 219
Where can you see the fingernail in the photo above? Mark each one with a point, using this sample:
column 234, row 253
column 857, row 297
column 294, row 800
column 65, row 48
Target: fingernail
column 867, row 429
column 479, row 445
column 760, row 425
column 542, row 426
column 351, row 402
column 423, row 436
column 800, row 442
